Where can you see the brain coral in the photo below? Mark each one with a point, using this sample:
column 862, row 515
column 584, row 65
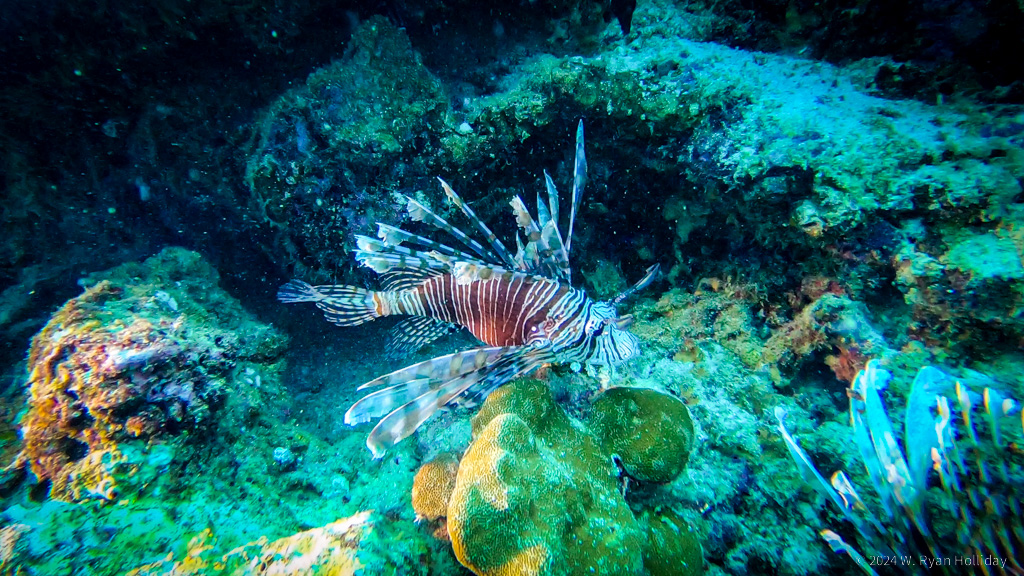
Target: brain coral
column 432, row 490
column 432, row 487
column 537, row 495
column 649, row 431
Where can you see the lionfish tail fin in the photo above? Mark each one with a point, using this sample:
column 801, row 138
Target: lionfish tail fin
column 342, row 305
column 298, row 291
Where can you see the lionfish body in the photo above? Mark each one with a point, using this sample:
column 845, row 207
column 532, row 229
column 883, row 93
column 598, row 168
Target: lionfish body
column 522, row 308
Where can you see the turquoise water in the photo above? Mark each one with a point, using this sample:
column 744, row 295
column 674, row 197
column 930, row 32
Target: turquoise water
column 821, row 185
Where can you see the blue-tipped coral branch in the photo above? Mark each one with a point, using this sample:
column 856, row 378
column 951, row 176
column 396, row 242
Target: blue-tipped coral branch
column 969, row 468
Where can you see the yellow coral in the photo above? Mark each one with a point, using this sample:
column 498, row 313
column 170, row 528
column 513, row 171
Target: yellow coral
column 432, row 487
column 95, row 476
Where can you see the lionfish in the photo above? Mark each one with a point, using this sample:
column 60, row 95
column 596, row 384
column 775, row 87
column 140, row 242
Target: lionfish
column 522, row 308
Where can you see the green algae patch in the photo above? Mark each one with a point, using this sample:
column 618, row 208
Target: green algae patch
column 649, row 431
column 986, row 256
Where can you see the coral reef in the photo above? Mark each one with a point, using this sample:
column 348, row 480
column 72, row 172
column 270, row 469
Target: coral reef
column 935, row 47
column 330, row 156
column 833, row 323
column 810, row 218
column 347, row 547
column 155, row 390
column 126, row 375
column 739, row 491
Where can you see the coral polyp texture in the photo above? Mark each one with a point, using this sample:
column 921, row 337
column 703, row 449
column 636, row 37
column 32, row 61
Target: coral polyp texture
column 650, row 432
column 672, row 546
column 129, row 374
column 432, row 490
column 537, row 494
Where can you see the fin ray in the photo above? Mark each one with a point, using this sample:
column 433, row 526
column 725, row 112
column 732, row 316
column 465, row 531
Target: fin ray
column 579, row 180
column 440, row 368
column 503, row 253
column 341, row 304
column 403, row 421
column 414, row 333
column 421, row 213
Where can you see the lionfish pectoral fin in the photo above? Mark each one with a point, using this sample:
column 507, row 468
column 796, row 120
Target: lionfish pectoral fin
column 401, row 422
column 484, row 378
column 413, row 333
column 342, row 305
column 385, row 401
column 526, row 360
column 441, row 368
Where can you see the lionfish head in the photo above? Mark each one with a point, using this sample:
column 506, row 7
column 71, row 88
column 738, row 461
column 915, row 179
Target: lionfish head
column 612, row 342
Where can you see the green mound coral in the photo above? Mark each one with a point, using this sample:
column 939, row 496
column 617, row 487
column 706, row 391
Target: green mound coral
column 649, row 431
column 672, row 547
column 537, row 493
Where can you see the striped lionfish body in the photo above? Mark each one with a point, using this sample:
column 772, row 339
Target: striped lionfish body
column 522, row 308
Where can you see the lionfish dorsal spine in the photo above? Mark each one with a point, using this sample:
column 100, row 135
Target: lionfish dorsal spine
column 503, row 254
column 550, row 232
column 579, row 180
column 552, row 190
column 393, row 236
column 421, row 213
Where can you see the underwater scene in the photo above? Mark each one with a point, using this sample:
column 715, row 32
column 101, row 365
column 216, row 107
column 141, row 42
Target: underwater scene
column 511, row 288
